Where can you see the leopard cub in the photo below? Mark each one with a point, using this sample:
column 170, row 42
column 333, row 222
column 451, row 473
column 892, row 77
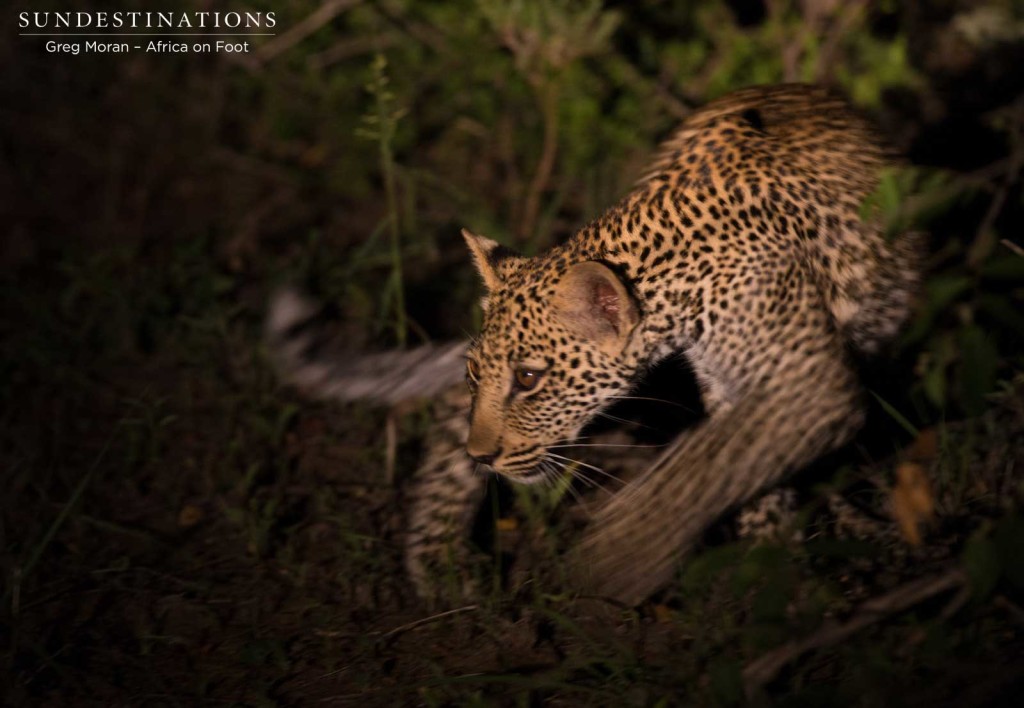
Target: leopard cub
column 742, row 250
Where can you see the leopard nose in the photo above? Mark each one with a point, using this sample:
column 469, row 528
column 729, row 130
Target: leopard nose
column 487, row 458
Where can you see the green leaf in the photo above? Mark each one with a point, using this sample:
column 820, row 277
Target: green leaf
column 934, row 384
column 940, row 292
column 896, row 415
column 980, row 362
column 942, row 353
column 1002, row 312
column 981, row 561
column 757, row 564
column 708, row 565
column 771, row 601
column 890, row 193
column 943, row 290
column 1006, row 268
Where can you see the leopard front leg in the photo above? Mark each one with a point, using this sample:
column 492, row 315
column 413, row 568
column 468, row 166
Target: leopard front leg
column 444, row 496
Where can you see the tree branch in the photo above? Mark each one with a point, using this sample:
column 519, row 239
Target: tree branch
column 314, row 21
column 763, row 670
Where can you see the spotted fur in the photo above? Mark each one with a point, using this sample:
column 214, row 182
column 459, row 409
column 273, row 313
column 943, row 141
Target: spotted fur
column 743, row 250
column 444, row 497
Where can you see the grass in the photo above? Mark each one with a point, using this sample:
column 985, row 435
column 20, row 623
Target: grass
column 22, row 572
column 282, row 583
column 380, row 127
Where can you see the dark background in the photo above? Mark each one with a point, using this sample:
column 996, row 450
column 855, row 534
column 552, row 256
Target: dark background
column 176, row 528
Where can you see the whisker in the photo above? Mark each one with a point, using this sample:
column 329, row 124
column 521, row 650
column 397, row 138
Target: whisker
column 570, row 460
column 561, row 441
column 654, row 400
column 609, row 475
column 546, row 469
column 623, row 421
column 573, row 472
column 636, row 445
column 571, row 488
column 589, row 481
column 585, row 480
column 547, row 480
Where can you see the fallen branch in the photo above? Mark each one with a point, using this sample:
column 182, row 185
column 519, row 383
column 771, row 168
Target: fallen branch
column 427, row 620
column 763, row 670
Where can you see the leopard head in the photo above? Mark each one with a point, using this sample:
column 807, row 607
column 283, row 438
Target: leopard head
column 553, row 350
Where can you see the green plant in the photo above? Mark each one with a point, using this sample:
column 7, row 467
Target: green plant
column 546, row 39
column 380, row 125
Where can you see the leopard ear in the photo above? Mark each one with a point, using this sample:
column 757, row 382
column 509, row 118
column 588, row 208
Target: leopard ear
column 486, row 255
column 593, row 300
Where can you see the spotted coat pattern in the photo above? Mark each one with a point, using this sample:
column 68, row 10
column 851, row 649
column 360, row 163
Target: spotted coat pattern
column 744, row 250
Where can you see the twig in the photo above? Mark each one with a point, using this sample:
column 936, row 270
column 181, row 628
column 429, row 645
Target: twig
column 984, row 237
column 249, row 164
column 548, row 96
column 763, row 670
column 1014, row 611
column 426, row 620
column 1012, row 246
column 676, row 107
column 390, row 447
column 850, row 13
column 317, row 19
column 957, row 603
column 349, row 48
column 918, row 204
column 427, row 34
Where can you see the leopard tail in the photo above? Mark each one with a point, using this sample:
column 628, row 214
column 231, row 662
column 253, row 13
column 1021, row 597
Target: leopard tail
column 634, row 543
column 306, row 356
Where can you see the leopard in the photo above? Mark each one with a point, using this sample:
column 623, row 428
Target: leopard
column 745, row 249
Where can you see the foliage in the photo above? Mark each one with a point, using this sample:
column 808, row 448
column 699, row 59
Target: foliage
column 380, row 126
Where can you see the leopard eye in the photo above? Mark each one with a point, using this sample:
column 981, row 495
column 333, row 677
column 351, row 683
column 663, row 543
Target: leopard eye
column 472, row 374
column 527, row 379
